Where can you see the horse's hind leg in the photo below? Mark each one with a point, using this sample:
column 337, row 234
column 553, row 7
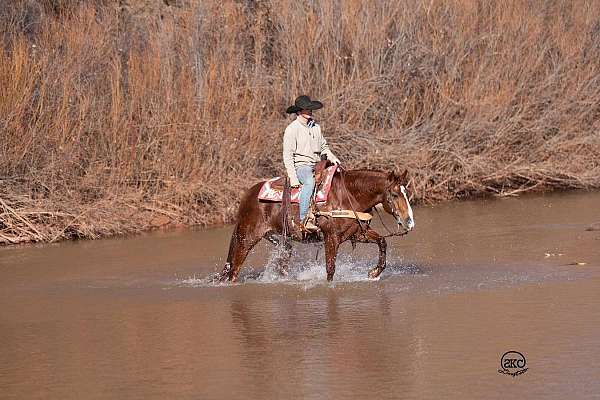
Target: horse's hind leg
column 243, row 239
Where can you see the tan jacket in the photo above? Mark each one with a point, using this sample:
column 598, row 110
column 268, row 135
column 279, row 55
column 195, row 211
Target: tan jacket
column 303, row 146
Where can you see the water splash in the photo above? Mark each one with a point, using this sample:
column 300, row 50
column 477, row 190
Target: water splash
column 307, row 273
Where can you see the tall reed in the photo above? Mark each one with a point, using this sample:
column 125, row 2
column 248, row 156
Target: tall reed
column 120, row 118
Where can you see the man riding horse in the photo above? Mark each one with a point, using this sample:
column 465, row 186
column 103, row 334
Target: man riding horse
column 303, row 147
column 344, row 216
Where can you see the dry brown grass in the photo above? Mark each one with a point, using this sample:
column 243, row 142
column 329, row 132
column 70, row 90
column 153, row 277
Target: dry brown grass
column 116, row 119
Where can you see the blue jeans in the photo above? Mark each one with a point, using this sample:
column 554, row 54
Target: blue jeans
column 305, row 176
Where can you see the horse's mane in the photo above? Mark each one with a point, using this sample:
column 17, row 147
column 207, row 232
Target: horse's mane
column 364, row 178
column 366, row 171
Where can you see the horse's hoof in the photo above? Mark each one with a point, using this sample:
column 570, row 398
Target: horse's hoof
column 374, row 274
column 226, row 277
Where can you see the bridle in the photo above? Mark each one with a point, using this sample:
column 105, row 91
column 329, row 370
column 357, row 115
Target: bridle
column 387, row 199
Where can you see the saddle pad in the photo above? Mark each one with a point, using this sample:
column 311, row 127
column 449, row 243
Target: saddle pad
column 269, row 193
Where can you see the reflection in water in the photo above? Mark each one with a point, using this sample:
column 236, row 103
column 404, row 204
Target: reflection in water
column 136, row 318
column 316, row 347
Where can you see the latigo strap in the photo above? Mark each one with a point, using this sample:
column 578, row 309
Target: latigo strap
column 345, row 214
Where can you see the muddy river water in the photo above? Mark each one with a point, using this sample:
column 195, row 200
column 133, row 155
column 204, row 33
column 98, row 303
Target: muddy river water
column 138, row 318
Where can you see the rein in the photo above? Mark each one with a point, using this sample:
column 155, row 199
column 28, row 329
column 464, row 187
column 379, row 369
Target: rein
column 390, row 233
column 362, row 228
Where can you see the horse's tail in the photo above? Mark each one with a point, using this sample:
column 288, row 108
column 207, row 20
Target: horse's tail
column 285, row 206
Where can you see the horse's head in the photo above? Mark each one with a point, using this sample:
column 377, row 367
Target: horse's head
column 395, row 200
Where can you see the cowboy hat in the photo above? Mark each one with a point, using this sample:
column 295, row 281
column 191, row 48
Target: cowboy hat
column 304, row 103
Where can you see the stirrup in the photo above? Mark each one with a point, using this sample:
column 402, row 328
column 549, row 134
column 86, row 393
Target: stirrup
column 309, row 222
column 309, row 226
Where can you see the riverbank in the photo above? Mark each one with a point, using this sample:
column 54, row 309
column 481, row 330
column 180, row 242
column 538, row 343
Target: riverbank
column 122, row 118
column 25, row 220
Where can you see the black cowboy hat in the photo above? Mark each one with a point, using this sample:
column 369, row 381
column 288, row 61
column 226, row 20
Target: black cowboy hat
column 304, row 103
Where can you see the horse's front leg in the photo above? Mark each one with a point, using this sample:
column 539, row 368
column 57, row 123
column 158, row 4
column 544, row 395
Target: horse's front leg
column 331, row 247
column 370, row 236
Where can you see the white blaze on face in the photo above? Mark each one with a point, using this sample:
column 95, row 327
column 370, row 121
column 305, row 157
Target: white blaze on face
column 411, row 223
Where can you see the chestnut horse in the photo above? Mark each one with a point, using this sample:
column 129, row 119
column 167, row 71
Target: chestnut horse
column 358, row 190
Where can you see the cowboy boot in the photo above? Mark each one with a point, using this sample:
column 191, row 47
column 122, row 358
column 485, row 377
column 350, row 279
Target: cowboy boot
column 309, row 222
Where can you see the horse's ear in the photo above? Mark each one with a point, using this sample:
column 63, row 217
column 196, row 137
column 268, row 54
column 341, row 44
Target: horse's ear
column 391, row 176
column 397, row 177
column 404, row 177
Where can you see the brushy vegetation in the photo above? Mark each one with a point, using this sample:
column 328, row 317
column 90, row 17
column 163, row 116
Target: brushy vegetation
column 117, row 117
